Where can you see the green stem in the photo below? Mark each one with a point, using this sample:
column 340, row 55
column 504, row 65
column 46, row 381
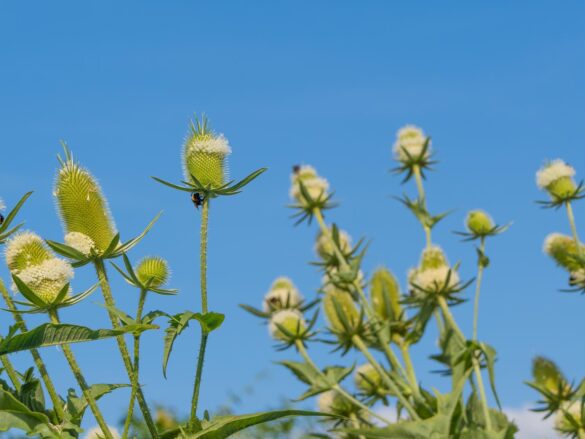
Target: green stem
column 408, row 364
column 82, row 382
column 480, row 269
column 122, row 346
column 358, row 342
column 136, row 365
column 57, row 404
column 476, row 368
column 574, row 228
column 422, row 196
column 340, row 390
column 9, row 368
column 203, row 276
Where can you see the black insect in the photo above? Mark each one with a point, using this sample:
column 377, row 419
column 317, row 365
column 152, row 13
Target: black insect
column 1, row 219
column 197, row 199
column 296, row 169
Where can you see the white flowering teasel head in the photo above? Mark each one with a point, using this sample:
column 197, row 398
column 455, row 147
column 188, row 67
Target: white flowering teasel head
column 283, row 294
column 332, row 402
column 410, row 145
column 316, row 186
column 563, row 250
column 434, row 274
column 291, row 320
column 205, row 155
column 324, row 247
column 567, row 416
column 28, row 258
column 80, row 242
column 556, row 177
column 368, row 380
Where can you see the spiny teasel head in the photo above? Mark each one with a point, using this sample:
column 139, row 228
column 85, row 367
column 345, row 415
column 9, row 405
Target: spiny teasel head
column 433, row 257
column 563, row 250
column 569, row 418
column 549, row 377
column 368, row 380
column 28, row 258
column 556, row 177
column 283, row 294
column 332, row 402
column 410, row 141
column 479, row 222
column 80, row 242
column 316, row 186
column 82, row 206
column 96, row 433
column 205, row 155
column 433, row 273
column 324, row 247
column 385, row 294
column 153, row 270
column 291, row 320
column 338, row 304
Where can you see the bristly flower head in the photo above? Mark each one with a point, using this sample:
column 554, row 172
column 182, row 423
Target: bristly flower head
column 433, row 275
column 556, row 177
column 569, row 419
column 325, row 248
column 410, row 144
column 334, row 403
column 205, row 155
column 96, row 433
column 80, row 242
column 282, row 295
column 563, row 250
column 432, row 257
column 479, row 222
column 153, row 271
column 28, row 258
column 316, row 186
column 287, row 324
column 82, row 206
column 340, row 311
column 368, row 380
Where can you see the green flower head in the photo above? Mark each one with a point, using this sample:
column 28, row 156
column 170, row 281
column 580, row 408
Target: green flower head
column 409, row 144
column 205, row 155
column 316, row 186
column 368, row 380
column 479, row 223
column 556, row 177
column 563, row 250
column 153, row 269
column 325, row 248
column 432, row 257
column 83, row 208
column 28, row 257
column 282, row 295
column 339, row 307
column 291, row 320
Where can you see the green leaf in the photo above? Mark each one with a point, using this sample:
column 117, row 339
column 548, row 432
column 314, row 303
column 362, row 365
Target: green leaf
column 15, row 414
column 177, row 324
column 50, row 334
column 209, row 321
column 76, row 405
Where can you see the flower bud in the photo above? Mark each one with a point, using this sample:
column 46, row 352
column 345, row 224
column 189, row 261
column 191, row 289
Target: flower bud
column 324, row 246
column 339, row 307
column 153, row 269
column 97, row 433
column 556, row 178
column 368, row 380
column 28, row 258
column 205, row 155
column 569, row 418
column 316, row 186
column 479, row 223
column 548, row 376
column 282, row 295
column 291, row 320
column 410, row 141
column 83, row 208
column 563, row 250
column 385, row 293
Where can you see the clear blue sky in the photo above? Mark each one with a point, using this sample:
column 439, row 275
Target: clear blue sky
column 499, row 87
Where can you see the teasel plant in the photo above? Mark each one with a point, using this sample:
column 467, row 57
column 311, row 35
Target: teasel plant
column 558, row 397
column 42, row 271
column 371, row 316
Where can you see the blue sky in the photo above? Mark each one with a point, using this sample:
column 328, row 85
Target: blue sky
column 498, row 86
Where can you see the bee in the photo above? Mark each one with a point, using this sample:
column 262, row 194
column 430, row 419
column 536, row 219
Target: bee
column 197, row 199
column 296, row 169
column 1, row 219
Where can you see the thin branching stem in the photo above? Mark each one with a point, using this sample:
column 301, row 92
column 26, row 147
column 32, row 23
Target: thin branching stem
column 573, row 224
column 422, row 196
column 480, row 270
column 85, row 389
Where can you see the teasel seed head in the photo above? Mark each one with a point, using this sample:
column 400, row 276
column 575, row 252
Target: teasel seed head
column 28, row 257
column 569, row 419
column 556, row 177
column 316, row 186
column 563, row 250
column 153, row 269
column 205, row 155
column 548, row 376
column 479, row 223
column 82, row 206
column 324, row 247
column 332, row 402
column 282, row 295
column 336, row 302
column 433, row 257
column 368, row 380
column 289, row 319
column 434, row 273
column 412, row 140
column 385, row 295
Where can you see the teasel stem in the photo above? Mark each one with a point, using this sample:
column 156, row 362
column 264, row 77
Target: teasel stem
column 122, row 346
column 91, row 402
column 476, row 369
column 480, row 269
column 380, row 333
column 422, row 196
column 136, row 365
column 573, row 224
column 303, row 351
column 9, row 368
column 411, row 374
column 359, row 343
column 57, row 405
column 203, row 277
column 356, row 424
